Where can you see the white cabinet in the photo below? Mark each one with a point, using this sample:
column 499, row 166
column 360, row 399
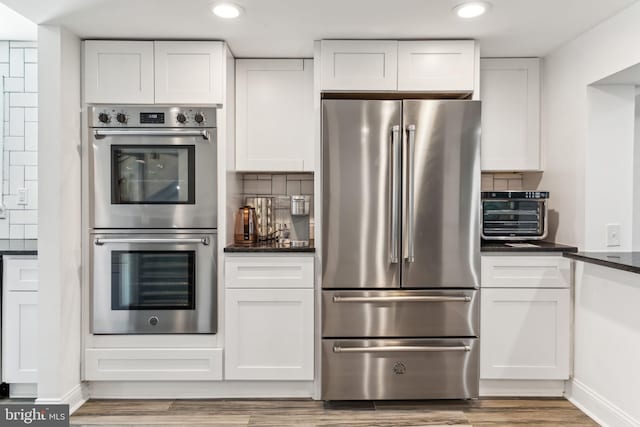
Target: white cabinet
column 525, row 317
column 436, row 66
column 118, row 72
column 274, row 115
column 359, row 65
column 269, row 328
column 510, row 93
column 20, row 319
column 525, row 334
column 390, row 65
column 147, row 72
column 188, row 72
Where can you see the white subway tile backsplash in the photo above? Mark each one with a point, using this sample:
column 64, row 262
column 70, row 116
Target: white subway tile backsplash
column 31, row 78
column 279, row 184
column 31, row 136
column 16, row 62
column 23, row 44
column 16, row 231
column 16, row 122
column 30, row 55
column 32, row 194
column 26, row 158
column 24, row 217
column 13, row 84
column 306, row 187
column 30, row 173
column 4, row 69
column 500, row 184
column 16, row 179
column 4, row 51
column 263, row 187
column 31, row 114
column 4, row 228
column 6, row 108
column 5, row 185
column 5, row 168
column 14, row 143
column 11, row 201
column 23, row 100
column 30, row 231
column 293, row 187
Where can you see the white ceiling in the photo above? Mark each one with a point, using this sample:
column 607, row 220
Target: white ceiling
column 16, row 27
column 287, row 28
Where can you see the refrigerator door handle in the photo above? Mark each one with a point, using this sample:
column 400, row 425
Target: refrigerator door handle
column 395, row 201
column 411, row 129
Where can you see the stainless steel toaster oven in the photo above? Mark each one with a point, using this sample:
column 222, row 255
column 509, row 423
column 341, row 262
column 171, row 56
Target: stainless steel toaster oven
column 514, row 215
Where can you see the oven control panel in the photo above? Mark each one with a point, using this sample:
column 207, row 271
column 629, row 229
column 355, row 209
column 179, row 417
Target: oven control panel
column 111, row 116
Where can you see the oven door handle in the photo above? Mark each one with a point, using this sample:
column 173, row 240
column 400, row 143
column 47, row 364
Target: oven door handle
column 400, row 349
column 99, row 241
column 101, row 133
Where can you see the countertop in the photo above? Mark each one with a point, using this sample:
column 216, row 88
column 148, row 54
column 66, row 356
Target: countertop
column 269, row 247
column 626, row 261
column 18, row 247
column 495, row 246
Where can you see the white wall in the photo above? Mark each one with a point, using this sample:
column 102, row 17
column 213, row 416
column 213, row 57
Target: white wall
column 14, row 26
column 606, row 49
column 59, row 217
column 19, row 70
column 636, row 175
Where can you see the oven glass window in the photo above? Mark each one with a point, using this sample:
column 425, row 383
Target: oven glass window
column 146, row 174
column 153, row 280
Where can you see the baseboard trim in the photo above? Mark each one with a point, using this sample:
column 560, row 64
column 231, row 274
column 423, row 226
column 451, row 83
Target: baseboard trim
column 200, row 389
column 522, row 388
column 23, row 391
column 75, row 398
column 598, row 407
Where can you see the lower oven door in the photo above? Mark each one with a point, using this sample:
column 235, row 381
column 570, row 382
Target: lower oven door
column 381, row 369
column 154, row 283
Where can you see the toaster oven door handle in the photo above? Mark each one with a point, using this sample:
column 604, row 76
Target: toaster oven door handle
column 101, row 133
column 411, row 129
column 395, row 193
column 100, row 241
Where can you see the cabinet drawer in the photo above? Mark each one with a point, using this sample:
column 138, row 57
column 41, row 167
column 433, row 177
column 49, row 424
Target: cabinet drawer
column 20, row 273
column 127, row 364
column 269, row 272
column 400, row 313
column 526, row 272
column 400, row 369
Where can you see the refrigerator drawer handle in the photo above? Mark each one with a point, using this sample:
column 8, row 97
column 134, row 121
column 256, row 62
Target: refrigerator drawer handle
column 400, row 348
column 395, row 191
column 99, row 134
column 203, row 240
column 410, row 257
column 414, row 298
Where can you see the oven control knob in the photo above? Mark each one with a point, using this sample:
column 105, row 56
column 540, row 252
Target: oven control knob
column 153, row 320
column 121, row 118
column 104, row 117
column 199, row 118
column 181, row 118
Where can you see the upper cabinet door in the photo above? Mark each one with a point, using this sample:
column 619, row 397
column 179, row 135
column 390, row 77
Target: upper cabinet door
column 189, row 72
column 510, row 93
column 436, row 66
column 118, row 71
column 274, row 115
column 359, row 65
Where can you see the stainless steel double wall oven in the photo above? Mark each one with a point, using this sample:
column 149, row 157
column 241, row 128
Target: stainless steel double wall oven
column 153, row 219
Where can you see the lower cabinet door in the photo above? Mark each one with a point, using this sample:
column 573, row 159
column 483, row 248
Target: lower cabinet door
column 269, row 334
column 20, row 337
column 525, row 334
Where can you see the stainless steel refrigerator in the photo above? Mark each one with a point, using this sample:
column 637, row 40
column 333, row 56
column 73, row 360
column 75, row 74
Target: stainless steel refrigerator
column 400, row 249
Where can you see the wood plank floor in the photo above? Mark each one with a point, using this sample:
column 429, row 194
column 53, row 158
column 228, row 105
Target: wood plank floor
column 483, row 412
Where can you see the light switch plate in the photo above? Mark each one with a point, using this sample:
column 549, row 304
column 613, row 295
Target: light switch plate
column 22, row 196
column 613, row 235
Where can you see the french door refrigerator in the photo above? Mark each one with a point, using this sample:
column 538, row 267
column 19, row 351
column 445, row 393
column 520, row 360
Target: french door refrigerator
column 400, row 249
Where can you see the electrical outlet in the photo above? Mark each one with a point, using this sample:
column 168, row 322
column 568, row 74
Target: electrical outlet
column 22, row 196
column 613, row 235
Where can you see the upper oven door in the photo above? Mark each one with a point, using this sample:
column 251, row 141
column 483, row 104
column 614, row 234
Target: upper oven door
column 150, row 178
column 153, row 283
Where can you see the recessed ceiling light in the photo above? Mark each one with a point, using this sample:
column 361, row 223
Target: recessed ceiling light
column 227, row 10
column 471, row 9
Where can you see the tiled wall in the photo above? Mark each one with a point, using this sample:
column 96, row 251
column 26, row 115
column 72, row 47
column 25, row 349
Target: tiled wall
column 19, row 70
column 502, row 181
column 280, row 186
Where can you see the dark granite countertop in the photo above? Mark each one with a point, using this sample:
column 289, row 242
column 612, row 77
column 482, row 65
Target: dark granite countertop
column 269, row 247
column 533, row 246
column 18, row 247
column 627, row 261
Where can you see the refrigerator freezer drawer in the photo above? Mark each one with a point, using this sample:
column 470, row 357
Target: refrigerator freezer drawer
column 378, row 314
column 400, row 369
